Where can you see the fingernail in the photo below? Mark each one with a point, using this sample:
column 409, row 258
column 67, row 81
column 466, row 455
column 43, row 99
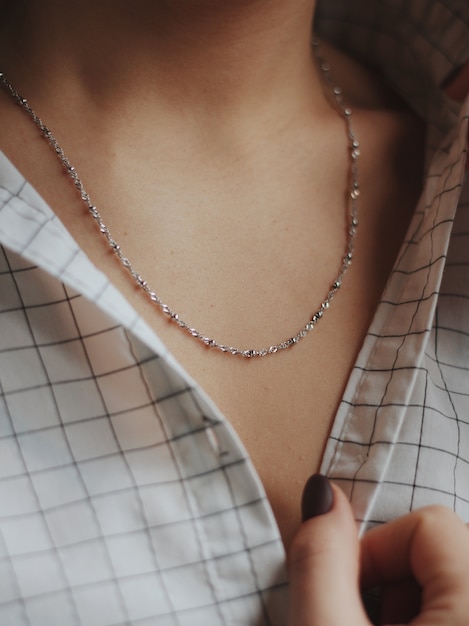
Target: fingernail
column 317, row 498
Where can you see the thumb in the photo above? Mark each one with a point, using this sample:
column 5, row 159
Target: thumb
column 324, row 561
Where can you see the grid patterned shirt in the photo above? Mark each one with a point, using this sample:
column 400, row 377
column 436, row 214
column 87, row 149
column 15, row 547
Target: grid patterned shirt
column 126, row 498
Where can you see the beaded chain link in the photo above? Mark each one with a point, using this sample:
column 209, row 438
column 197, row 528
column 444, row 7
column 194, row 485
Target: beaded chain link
column 352, row 219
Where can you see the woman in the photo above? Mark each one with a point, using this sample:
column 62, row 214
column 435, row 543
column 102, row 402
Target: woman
column 204, row 133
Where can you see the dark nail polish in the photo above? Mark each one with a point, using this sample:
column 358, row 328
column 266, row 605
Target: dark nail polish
column 317, row 498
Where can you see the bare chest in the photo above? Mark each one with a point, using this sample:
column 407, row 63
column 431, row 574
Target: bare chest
column 283, row 406
column 252, row 278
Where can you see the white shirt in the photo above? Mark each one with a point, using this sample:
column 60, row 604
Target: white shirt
column 126, row 498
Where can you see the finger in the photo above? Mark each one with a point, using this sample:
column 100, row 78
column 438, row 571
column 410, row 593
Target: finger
column 432, row 546
column 323, row 567
column 457, row 86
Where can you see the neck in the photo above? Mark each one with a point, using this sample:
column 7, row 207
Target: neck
column 213, row 55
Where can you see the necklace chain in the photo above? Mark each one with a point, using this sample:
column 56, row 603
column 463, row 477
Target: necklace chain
column 352, row 221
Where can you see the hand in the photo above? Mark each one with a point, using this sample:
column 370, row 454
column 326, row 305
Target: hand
column 420, row 562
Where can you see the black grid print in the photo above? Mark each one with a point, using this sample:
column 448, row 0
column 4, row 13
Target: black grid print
column 126, row 499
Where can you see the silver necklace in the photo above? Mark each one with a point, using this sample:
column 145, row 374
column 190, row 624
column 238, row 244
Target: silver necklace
column 352, row 220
